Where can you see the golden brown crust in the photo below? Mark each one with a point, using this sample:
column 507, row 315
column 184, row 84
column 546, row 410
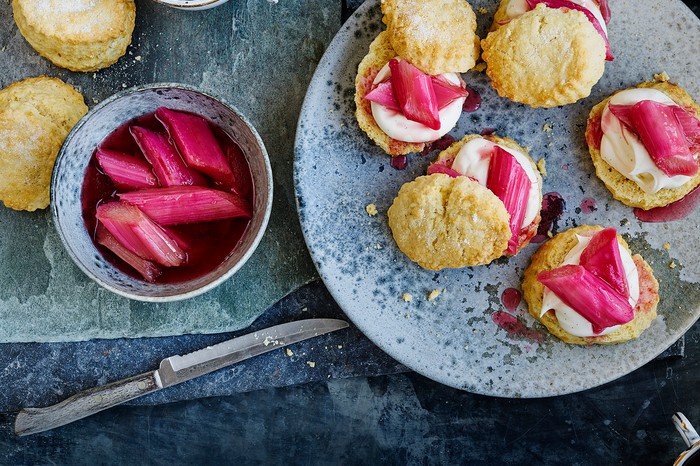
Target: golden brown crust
column 551, row 255
column 437, row 36
column 500, row 17
column 449, row 154
column 626, row 190
column 36, row 115
column 380, row 52
column 545, row 58
column 443, row 222
column 79, row 35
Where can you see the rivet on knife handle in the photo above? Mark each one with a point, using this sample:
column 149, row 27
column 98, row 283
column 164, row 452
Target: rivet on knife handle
column 86, row 403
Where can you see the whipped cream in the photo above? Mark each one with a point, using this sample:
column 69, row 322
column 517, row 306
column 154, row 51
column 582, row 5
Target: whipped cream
column 624, row 151
column 517, row 8
column 397, row 126
column 474, row 158
column 570, row 320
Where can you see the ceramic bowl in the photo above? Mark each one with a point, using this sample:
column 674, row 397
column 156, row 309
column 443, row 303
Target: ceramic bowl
column 72, row 162
column 192, row 5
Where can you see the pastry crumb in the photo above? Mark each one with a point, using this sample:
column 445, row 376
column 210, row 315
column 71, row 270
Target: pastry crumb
column 672, row 265
column 624, row 222
column 481, row 66
column 289, row 353
column 407, row 316
column 408, row 297
column 542, row 167
column 137, row 58
column 662, row 77
column 371, row 210
column 546, row 128
column 667, row 246
column 377, row 246
column 304, row 309
column 434, row 294
column 340, row 346
column 270, row 341
column 311, row 364
column 483, row 11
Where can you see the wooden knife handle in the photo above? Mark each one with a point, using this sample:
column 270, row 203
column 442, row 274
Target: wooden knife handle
column 83, row 404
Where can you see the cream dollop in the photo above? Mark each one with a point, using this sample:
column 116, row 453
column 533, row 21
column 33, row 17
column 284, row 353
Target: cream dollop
column 474, row 158
column 397, row 126
column 570, row 320
column 517, row 8
column 623, row 149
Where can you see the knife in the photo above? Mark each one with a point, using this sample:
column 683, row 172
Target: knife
column 172, row 371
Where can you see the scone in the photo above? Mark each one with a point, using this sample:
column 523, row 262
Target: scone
column 641, row 165
column 475, row 157
column 546, row 57
column 403, row 105
column 437, row 36
column 596, row 291
column 443, row 222
column 80, row 35
column 36, row 115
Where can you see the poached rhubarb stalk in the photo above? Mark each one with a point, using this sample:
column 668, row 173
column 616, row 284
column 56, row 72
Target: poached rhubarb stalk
column 167, row 164
column 180, row 205
column 589, row 14
column 509, row 182
column 147, row 269
column 590, row 296
column 663, row 135
column 126, row 171
column 197, row 144
column 415, row 94
column 602, row 258
column 139, row 234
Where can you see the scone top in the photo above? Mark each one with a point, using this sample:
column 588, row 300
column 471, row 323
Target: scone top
column 437, row 36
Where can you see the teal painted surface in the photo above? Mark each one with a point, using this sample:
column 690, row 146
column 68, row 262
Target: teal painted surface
column 258, row 56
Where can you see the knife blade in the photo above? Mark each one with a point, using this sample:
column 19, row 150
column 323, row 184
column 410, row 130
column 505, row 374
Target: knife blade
column 172, row 371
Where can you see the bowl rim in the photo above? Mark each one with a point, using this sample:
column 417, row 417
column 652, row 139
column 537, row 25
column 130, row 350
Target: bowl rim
column 191, row 4
column 55, row 215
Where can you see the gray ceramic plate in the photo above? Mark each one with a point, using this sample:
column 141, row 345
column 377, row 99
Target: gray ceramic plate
column 454, row 339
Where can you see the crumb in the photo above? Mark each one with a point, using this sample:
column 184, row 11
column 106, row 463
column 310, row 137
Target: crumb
column 667, row 246
column 137, row 58
column 483, row 11
column 377, row 246
column 550, row 144
column 340, row 346
column 289, row 353
column 546, row 128
column 672, row 265
column 269, row 341
column 311, row 364
column 542, row 167
column 466, row 347
column 407, row 316
column 304, row 309
column 624, row 222
column 481, row 66
column 662, row 77
column 527, row 148
column 124, row 85
column 434, row 294
column 94, row 101
column 94, row 75
column 371, row 210
column 550, row 234
column 408, row 297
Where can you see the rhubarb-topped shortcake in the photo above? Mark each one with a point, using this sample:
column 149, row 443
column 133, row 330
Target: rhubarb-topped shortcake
column 505, row 169
column 408, row 91
column 645, row 142
column 437, row 36
column 547, row 53
column 587, row 288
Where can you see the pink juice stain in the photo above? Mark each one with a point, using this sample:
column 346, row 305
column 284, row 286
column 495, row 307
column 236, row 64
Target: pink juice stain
column 473, row 101
column 511, row 298
column 553, row 206
column 588, row 205
column 674, row 211
column 399, row 162
column 515, row 328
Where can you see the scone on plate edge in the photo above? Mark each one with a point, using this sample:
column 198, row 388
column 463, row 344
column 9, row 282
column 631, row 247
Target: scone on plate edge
column 622, row 187
column 552, row 254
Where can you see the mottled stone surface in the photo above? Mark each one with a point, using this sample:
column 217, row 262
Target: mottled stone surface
column 258, row 56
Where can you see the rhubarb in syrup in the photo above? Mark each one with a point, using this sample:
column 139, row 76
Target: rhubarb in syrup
column 207, row 244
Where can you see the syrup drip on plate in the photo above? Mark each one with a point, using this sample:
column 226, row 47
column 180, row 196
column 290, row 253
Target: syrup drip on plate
column 511, row 298
column 514, row 327
column 674, row 211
